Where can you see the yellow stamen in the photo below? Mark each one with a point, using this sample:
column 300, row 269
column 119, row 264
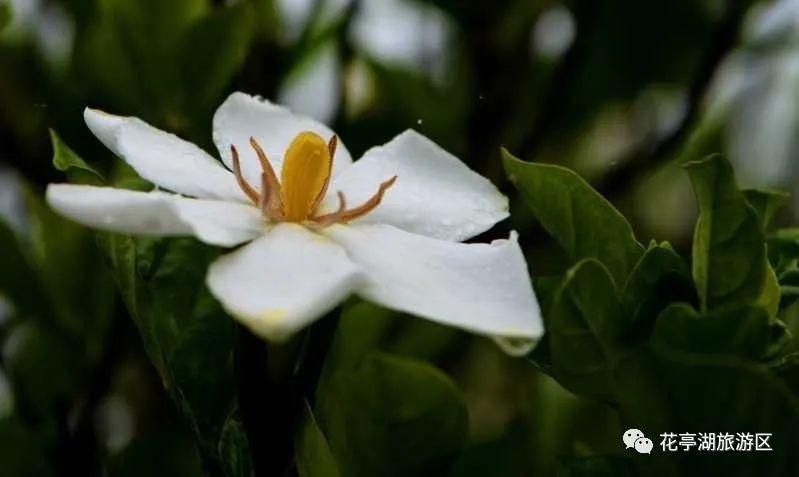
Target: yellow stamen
column 306, row 171
column 304, row 179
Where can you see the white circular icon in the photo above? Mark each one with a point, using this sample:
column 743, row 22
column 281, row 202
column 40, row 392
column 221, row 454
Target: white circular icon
column 643, row 445
column 630, row 436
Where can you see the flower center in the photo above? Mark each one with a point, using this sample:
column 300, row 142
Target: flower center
column 304, row 179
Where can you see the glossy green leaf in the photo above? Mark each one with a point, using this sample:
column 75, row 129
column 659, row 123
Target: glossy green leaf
column 659, row 278
column 75, row 168
column 729, row 254
column 771, row 295
column 362, row 327
column 789, row 287
column 313, row 455
column 783, row 248
column 583, row 222
column 674, row 391
column 393, row 416
column 745, row 332
column 585, row 329
column 766, row 203
column 186, row 334
column 783, row 252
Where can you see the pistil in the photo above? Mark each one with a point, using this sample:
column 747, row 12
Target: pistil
column 305, row 178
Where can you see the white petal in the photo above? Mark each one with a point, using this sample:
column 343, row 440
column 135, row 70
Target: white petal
column 484, row 288
column 435, row 193
column 516, row 347
column 283, row 281
column 274, row 127
column 157, row 213
column 163, row 158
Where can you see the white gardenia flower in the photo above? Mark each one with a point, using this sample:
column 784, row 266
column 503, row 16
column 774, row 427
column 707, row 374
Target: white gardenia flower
column 386, row 227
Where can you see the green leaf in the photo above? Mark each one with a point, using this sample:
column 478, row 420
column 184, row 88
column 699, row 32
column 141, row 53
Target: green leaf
column 583, row 222
column 745, row 332
column 783, row 249
column 393, row 416
column 76, row 169
column 186, row 334
column 671, row 391
column 766, row 203
column 234, row 450
column 546, row 289
column 729, row 254
column 771, row 296
column 659, row 278
column 585, row 328
column 789, row 288
column 361, row 329
column 313, row 455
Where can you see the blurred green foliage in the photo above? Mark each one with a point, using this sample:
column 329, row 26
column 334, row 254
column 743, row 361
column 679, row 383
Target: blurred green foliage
column 116, row 361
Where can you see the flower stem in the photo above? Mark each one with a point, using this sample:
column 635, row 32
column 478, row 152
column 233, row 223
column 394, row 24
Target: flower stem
column 274, row 380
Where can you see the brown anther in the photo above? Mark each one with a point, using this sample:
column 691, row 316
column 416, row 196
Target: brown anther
column 266, row 166
column 342, row 202
column 249, row 191
column 269, row 209
column 331, row 148
column 270, row 186
column 342, row 215
column 329, row 219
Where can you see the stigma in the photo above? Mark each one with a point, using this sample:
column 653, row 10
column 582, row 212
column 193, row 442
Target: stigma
column 304, row 180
